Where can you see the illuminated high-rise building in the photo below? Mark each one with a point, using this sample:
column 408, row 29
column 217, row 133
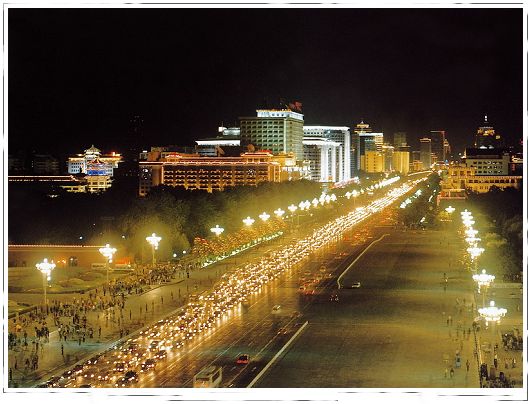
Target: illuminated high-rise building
column 335, row 141
column 399, row 139
column 363, row 139
column 437, row 143
column 278, row 130
column 425, row 152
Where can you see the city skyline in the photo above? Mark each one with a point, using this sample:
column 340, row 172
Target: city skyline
column 192, row 73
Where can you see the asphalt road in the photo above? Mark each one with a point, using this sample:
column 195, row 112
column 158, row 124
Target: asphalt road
column 392, row 331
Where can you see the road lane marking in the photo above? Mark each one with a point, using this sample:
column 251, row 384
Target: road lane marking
column 259, row 375
column 357, row 258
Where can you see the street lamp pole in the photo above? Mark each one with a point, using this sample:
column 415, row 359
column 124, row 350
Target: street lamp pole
column 154, row 241
column 46, row 268
column 484, row 280
column 107, row 252
column 492, row 314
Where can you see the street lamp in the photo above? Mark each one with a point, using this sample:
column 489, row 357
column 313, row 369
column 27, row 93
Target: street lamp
column 468, row 222
column 46, row 269
column 450, row 209
column 471, row 232
column 154, row 240
column 248, row 221
column 217, row 230
column 279, row 212
column 475, row 251
column 292, row 208
column 492, row 314
column 483, row 279
column 107, row 252
column 264, row 216
column 473, row 241
column 465, row 213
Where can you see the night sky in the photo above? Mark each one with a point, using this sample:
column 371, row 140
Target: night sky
column 77, row 76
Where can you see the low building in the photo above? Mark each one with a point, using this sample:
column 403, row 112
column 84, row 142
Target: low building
column 461, row 177
column 81, row 163
column 191, row 171
column 488, row 161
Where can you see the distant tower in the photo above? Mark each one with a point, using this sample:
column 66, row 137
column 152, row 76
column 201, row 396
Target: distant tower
column 437, row 143
column 486, row 137
column 425, row 152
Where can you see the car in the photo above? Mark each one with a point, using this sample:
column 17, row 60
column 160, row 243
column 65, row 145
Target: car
column 130, row 377
column 148, row 364
column 119, row 367
column 354, row 285
column 276, row 309
column 154, row 346
column 160, row 355
column 334, row 297
column 243, row 359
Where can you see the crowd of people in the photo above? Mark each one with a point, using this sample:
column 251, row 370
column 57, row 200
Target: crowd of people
column 29, row 332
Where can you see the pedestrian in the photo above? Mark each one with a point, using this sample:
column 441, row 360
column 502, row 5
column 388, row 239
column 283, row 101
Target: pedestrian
column 130, row 314
column 446, row 373
column 99, row 331
column 467, row 365
column 161, row 300
column 172, row 295
column 496, row 361
column 451, row 372
column 11, row 374
column 62, row 350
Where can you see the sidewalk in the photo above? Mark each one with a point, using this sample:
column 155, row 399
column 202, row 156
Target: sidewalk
column 139, row 310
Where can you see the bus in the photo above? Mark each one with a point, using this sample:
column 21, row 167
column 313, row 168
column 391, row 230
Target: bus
column 209, row 376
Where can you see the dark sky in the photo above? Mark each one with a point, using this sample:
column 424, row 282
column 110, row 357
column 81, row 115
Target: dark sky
column 76, row 76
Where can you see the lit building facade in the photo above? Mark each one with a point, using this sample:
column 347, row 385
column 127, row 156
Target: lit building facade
column 461, row 177
column 401, row 161
column 324, row 158
column 92, row 159
column 363, row 140
column 207, row 173
column 339, row 148
column 218, row 146
column 45, row 164
column 373, row 162
column 399, row 139
column 278, row 130
column 425, row 153
column 486, row 137
column 438, row 138
column 488, row 161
